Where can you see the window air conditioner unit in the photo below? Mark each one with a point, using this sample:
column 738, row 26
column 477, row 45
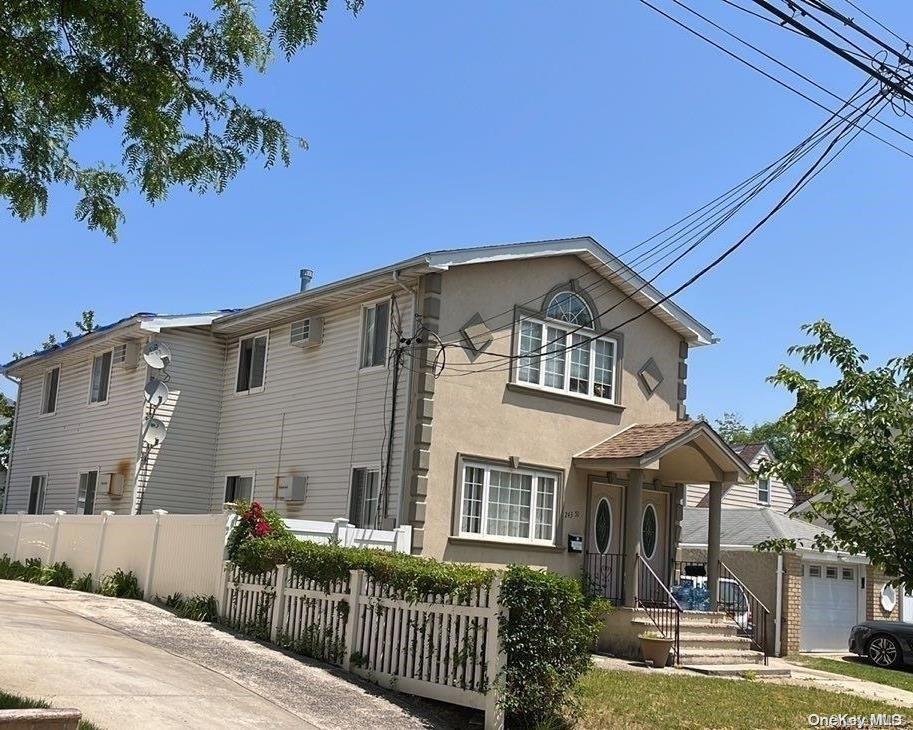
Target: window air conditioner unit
column 126, row 355
column 113, row 484
column 293, row 488
column 306, row 332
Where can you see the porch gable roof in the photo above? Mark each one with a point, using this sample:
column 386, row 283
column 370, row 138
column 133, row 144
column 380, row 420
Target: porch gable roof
column 643, row 445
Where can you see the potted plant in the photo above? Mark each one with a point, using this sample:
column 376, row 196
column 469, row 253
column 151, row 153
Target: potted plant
column 655, row 648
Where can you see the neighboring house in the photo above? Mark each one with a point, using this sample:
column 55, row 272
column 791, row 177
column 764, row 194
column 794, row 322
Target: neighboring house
column 766, row 491
column 820, row 595
column 325, row 403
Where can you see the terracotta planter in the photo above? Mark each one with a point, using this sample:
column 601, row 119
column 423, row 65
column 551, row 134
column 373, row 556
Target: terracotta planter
column 656, row 650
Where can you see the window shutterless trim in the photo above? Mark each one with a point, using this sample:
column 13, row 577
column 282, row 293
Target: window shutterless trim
column 487, row 467
column 567, row 353
column 107, row 397
column 39, row 507
column 367, row 468
column 44, row 391
column 361, row 335
column 259, row 388
column 240, row 475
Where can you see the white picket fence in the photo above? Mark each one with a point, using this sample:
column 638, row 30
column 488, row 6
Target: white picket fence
column 439, row 647
column 168, row 553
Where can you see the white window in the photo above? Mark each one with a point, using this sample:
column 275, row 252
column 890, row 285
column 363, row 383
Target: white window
column 764, row 491
column 49, row 394
column 814, row 571
column 365, row 493
column 251, row 363
column 36, row 494
column 564, row 357
column 85, row 497
column 101, row 378
column 830, row 572
column 500, row 503
column 846, row 574
column 239, row 488
column 375, row 323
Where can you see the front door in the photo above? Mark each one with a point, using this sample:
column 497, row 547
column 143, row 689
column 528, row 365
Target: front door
column 654, row 542
column 605, row 564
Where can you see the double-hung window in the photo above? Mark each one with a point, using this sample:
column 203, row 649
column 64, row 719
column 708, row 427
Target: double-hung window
column 85, row 496
column 764, row 491
column 49, row 394
column 251, row 363
column 101, row 378
column 365, row 494
column 239, row 487
column 515, row 505
column 36, row 494
column 561, row 352
column 375, row 322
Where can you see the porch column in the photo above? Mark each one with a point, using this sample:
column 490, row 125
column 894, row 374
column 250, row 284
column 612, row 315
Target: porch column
column 713, row 542
column 633, row 509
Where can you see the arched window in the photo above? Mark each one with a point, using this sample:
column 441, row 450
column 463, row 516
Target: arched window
column 569, row 307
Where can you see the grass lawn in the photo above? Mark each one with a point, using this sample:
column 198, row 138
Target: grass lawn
column 637, row 700
column 900, row 678
column 15, row 702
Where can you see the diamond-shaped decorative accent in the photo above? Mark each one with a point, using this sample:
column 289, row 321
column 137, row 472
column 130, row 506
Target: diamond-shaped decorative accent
column 650, row 376
column 476, row 333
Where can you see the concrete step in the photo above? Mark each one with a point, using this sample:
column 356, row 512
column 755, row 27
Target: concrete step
column 737, row 670
column 718, row 628
column 713, row 657
column 691, row 640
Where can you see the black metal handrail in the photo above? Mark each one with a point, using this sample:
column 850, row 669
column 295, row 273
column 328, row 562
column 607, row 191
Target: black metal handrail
column 655, row 598
column 746, row 609
column 605, row 575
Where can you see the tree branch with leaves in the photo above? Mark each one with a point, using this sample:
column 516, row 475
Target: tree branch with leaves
column 170, row 94
column 853, row 444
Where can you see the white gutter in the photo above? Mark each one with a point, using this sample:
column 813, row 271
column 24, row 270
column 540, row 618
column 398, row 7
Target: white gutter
column 778, row 619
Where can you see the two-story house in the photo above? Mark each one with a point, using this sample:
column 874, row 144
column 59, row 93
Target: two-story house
column 514, row 403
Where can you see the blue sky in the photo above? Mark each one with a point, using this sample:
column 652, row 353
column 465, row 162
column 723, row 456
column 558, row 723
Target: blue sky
column 433, row 127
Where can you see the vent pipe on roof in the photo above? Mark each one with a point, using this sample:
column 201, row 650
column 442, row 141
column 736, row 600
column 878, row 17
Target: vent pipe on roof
column 306, row 276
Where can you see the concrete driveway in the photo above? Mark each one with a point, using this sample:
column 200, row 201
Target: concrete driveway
column 131, row 664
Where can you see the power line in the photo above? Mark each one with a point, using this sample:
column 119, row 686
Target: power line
column 765, row 73
column 877, row 22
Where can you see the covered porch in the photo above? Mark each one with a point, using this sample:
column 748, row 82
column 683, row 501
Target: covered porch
column 635, row 486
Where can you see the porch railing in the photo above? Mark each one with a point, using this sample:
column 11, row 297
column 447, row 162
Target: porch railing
column 605, row 575
column 744, row 607
column 657, row 601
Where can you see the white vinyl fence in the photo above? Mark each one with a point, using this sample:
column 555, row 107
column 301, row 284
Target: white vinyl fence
column 439, row 647
column 168, row 553
column 340, row 532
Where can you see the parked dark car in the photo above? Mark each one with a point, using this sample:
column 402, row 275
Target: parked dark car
column 885, row 643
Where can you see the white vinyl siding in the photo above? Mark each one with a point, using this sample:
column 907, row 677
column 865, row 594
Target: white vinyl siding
column 179, row 474
column 78, row 438
column 745, row 495
column 556, row 358
column 513, row 505
column 51, row 388
column 328, row 415
column 101, row 378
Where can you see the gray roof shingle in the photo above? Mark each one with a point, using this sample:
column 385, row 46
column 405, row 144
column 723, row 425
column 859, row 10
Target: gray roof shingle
column 748, row 527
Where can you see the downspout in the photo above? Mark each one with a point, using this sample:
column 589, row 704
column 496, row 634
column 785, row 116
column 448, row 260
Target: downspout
column 778, row 618
column 403, row 511
column 9, row 466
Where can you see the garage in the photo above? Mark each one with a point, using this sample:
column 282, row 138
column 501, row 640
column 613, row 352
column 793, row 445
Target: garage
column 829, row 606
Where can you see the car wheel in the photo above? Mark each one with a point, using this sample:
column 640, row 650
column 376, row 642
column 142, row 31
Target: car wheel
column 884, row 651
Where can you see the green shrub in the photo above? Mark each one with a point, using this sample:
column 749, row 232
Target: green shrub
column 120, row 585
column 31, row 570
column 10, row 569
column 58, row 574
column 83, row 583
column 197, row 608
column 548, row 632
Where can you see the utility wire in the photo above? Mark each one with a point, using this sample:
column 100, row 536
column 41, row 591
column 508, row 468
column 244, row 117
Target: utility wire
column 876, row 22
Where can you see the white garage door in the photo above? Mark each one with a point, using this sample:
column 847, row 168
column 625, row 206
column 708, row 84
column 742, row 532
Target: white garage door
column 829, row 610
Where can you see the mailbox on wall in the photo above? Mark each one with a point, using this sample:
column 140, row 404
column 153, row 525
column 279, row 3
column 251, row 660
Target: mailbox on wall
column 575, row 543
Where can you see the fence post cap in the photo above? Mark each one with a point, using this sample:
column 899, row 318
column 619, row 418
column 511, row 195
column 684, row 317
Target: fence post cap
column 59, row 512
column 341, row 521
column 107, row 512
column 160, row 512
column 21, row 512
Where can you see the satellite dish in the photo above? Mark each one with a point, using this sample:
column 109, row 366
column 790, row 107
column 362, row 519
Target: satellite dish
column 156, row 392
column 153, row 431
column 157, row 355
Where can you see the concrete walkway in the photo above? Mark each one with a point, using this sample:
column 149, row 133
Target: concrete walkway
column 128, row 664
